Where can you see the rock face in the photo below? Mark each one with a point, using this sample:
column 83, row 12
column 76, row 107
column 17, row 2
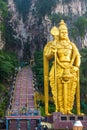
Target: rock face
column 18, row 26
column 74, row 7
column 37, row 34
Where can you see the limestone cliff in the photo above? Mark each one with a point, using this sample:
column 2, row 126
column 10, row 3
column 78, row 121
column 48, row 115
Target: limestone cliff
column 73, row 7
column 36, row 31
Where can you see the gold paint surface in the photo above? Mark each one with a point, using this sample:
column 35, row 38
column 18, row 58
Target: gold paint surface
column 63, row 77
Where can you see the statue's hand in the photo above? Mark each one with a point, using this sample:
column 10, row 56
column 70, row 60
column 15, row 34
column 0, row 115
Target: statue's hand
column 53, row 49
column 75, row 68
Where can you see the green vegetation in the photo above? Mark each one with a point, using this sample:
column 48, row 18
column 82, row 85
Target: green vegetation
column 81, row 25
column 3, row 14
column 12, row 42
column 83, row 80
column 26, row 52
column 78, row 30
column 38, row 70
column 84, row 68
column 56, row 18
column 77, row 27
column 4, row 99
column 3, row 9
column 23, row 7
column 66, row 1
column 8, row 62
column 44, row 7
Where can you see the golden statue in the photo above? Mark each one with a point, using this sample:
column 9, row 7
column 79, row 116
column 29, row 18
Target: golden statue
column 64, row 73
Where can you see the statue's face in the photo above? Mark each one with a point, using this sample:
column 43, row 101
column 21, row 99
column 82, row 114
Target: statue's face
column 63, row 34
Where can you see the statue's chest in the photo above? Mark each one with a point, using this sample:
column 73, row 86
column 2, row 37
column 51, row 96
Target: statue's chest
column 64, row 52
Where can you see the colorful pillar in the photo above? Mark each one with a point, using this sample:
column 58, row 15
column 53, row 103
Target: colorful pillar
column 28, row 124
column 7, row 124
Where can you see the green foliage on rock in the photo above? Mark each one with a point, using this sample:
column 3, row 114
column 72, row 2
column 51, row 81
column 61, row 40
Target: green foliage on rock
column 3, row 100
column 12, row 42
column 83, row 69
column 77, row 27
column 38, row 70
column 23, row 7
column 8, row 62
column 57, row 17
column 3, row 14
column 81, row 25
column 83, row 80
column 3, row 9
column 44, row 7
column 26, row 52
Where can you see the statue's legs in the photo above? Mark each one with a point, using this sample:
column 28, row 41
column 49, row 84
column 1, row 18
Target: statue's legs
column 60, row 96
column 71, row 95
column 54, row 95
column 52, row 85
column 73, row 91
column 65, row 97
column 69, row 99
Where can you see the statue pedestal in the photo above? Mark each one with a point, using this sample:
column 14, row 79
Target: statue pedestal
column 61, row 121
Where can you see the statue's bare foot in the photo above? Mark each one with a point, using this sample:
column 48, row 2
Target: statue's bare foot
column 81, row 114
column 48, row 114
column 70, row 113
column 62, row 111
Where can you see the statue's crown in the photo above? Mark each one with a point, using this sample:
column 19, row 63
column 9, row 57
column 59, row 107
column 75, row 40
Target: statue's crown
column 62, row 25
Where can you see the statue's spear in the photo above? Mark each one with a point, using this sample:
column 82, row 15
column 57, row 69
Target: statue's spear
column 78, row 96
column 56, row 82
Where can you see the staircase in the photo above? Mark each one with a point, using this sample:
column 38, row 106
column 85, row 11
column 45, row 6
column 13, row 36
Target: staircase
column 23, row 92
column 23, row 102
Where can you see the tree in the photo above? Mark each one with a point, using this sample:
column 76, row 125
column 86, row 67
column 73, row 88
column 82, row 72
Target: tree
column 44, row 7
column 3, row 9
column 81, row 25
column 38, row 69
column 56, row 18
column 23, row 7
column 83, row 79
column 8, row 62
column 3, row 14
column 12, row 42
column 83, row 69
